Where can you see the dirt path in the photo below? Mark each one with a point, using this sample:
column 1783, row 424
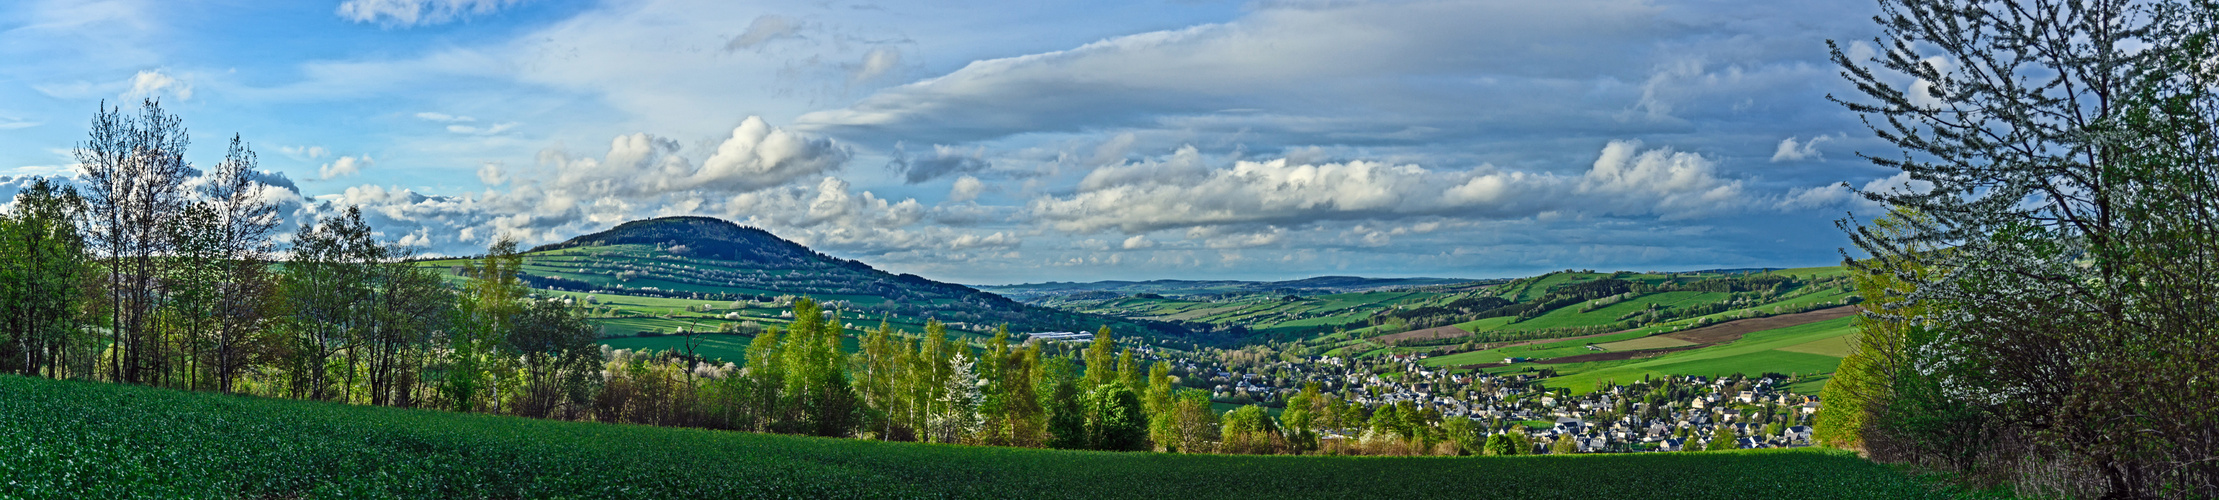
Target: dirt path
column 1733, row 330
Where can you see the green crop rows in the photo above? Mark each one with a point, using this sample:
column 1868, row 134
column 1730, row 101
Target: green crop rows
column 85, row 440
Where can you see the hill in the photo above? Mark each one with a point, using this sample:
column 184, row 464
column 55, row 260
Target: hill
column 654, row 277
column 67, row 439
column 1037, row 292
column 1575, row 327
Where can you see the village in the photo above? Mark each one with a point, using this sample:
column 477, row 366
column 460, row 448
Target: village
column 1677, row 413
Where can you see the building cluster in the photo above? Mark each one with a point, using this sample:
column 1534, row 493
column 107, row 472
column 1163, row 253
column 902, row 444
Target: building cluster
column 1662, row 414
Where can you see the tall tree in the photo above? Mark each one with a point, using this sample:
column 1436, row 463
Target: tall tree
column 44, row 273
column 133, row 169
column 2067, row 150
column 220, row 285
column 328, row 291
column 1101, row 359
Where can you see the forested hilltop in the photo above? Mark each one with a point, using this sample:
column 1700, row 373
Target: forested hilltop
column 718, row 276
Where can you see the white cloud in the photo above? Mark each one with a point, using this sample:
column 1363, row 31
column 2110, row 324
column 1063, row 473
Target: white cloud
column 406, row 13
column 1790, row 151
column 155, row 83
column 1662, row 181
column 443, row 117
column 475, row 130
column 344, row 166
column 876, row 63
column 755, row 156
column 966, row 188
column 1840, row 195
column 490, row 173
column 304, row 152
column 765, row 29
column 1307, row 53
column 1181, row 192
column 1139, row 241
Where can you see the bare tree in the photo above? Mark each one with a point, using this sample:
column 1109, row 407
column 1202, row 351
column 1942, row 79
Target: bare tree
column 133, row 168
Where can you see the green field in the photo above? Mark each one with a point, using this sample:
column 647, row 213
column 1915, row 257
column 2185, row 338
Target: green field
column 725, row 347
column 1755, row 353
column 88, row 440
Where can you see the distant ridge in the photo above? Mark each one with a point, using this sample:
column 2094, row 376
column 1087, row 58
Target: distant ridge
column 1031, row 292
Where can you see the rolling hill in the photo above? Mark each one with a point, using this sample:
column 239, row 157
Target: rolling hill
column 654, row 277
column 1038, row 292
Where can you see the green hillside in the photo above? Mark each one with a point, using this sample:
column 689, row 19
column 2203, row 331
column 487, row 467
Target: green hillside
column 1558, row 322
column 86, row 440
column 661, row 276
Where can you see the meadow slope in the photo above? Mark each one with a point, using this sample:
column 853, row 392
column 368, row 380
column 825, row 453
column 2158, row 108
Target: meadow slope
column 88, row 440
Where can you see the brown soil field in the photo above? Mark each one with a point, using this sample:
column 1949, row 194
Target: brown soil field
column 1733, row 330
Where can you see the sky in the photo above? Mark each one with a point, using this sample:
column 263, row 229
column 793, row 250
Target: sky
column 1006, row 142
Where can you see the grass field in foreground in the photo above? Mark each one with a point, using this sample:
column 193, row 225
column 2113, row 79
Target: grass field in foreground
column 89, row 440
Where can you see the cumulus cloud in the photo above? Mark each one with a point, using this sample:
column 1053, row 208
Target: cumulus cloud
column 407, row 13
column 943, row 161
column 1661, row 181
column 1139, row 241
column 749, row 177
column 766, row 28
column 1180, row 192
column 155, row 83
column 490, row 173
column 1790, row 151
column 344, row 166
column 966, row 188
column 754, row 156
column 832, row 215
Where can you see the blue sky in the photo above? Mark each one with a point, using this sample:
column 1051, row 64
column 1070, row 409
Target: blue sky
column 999, row 142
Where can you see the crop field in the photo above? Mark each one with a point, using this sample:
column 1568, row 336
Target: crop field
column 87, row 440
column 1758, row 352
column 726, row 347
column 1268, row 314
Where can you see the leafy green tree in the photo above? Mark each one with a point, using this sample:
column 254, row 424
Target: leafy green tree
column 1115, row 419
column 1248, row 429
column 1503, row 445
column 766, row 376
column 1301, row 418
column 1460, row 430
column 1101, row 359
column 557, row 347
column 1721, row 438
column 1564, row 445
column 327, row 290
column 1059, row 394
column 44, row 277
